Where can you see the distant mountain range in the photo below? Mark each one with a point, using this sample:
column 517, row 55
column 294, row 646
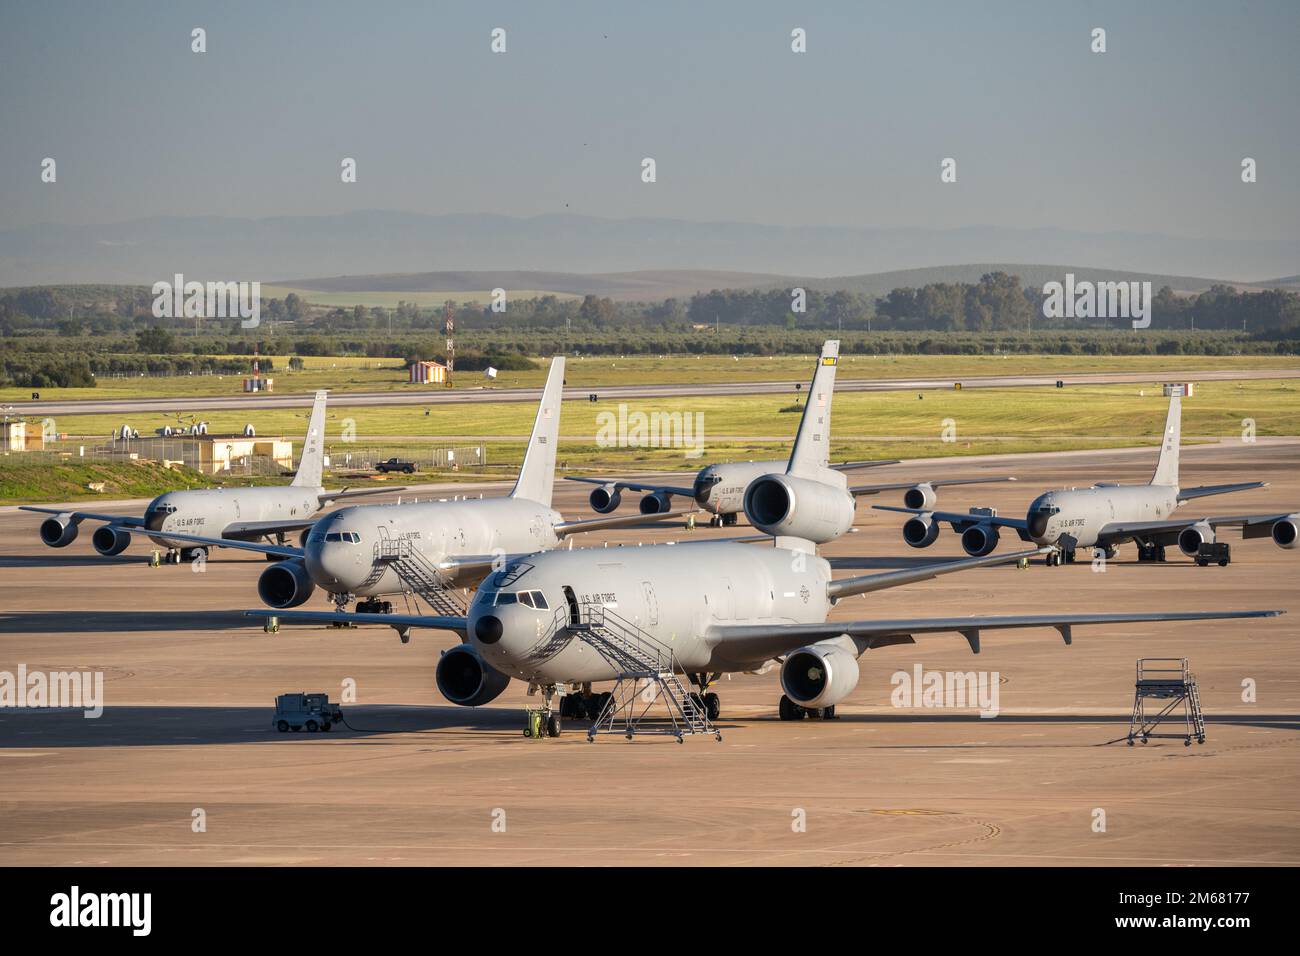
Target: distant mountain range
column 382, row 242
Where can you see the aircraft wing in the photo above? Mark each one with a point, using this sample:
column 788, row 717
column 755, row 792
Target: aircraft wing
column 124, row 521
column 1166, row 532
column 329, row 496
column 856, row 490
column 283, row 550
column 854, row 465
column 1187, row 494
column 634, row 485
column 566, row 528
column 760, row 642
column 252, row 530
column 960, row 521
column 398, row 622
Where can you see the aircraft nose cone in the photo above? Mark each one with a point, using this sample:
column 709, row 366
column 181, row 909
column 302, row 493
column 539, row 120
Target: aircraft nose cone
column 488, row 629
column 326, row 564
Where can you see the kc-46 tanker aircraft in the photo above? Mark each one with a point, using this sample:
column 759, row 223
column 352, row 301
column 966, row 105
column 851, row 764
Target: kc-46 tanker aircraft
column 570, row 619
column 1108, row 514
column 721, row 489
column 430, row 547
column 223, row 516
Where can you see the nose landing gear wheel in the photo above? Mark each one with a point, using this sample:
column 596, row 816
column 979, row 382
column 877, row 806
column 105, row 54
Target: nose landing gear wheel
column 712, row 706
column 553, row 725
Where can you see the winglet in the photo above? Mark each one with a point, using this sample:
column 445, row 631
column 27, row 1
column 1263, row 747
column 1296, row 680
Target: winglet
column 537, row 475
column 313, row 446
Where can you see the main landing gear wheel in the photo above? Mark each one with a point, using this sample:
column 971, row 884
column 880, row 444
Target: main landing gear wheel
column 828, row 713
column 712, row 706
column 789, row 710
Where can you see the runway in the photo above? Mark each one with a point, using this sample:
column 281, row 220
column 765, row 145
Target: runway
column 448, row 397
column 189, row 688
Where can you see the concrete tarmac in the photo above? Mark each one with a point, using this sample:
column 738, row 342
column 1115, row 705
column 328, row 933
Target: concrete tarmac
column 189, row 688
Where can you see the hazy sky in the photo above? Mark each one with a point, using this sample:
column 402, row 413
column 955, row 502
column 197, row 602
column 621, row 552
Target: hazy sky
column 1146, row 137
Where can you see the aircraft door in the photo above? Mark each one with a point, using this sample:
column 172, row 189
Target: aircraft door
column 651, row 604
column 575, row 614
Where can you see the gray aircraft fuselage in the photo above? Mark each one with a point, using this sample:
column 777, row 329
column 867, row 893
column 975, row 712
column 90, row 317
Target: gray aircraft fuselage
column 341, row 549
column 1083, row 512
column 206, row 511
column 672, row 593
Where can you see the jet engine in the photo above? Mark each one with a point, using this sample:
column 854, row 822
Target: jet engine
column 1190, row 539
column 798, row 508
column 605, row 499
column 285, row 584
column 59, row 531
column 466, row 679
column 656, row 504
column 920, row 531
column 1286, row 531
column 819, row 675
column 921, row 497
column 109, row 540
column 979, row 540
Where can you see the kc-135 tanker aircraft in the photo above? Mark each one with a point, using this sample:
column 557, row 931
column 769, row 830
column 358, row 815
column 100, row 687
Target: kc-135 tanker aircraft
column 559, row 619
column 223, row 515
column 1108, row 514
column 722, row 489
column 430, row 547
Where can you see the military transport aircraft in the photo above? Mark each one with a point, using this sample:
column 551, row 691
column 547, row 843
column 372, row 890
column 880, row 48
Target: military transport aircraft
column 585, row 616
column 720, row 488
column 222, row 515
column 431, row 547
column 1108, row 514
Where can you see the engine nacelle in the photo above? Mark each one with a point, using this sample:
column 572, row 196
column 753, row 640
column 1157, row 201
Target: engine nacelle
column 605, row 499
column 466, row 679
column 920, row 531
column 1286, row 531
column 796, row 507
column 1191, row 539
column 922, row 497
column 657, row 503
column 109, row 540
column 819, row 675
column 285, row 584
column 59, row 531
column 979, row 540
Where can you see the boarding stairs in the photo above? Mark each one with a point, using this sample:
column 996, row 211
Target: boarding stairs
column 646, row 672
column 417, row 573
column 1169, row 682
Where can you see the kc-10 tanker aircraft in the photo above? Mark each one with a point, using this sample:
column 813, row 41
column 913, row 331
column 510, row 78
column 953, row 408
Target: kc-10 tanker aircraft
column 1108, row 514
column 431, row 547
column 721, row 489
column 224, row 515
column 578, row 617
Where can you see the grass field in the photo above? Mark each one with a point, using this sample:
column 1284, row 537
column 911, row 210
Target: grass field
column 30, row 481
column 866, row 424
column 373, row 375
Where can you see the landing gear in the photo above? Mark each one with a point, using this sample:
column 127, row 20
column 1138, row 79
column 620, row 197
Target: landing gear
column 712, row 706
column 730, row 519
column 374, row 607
column 1057, row 558
column 543, row 721
column 789, row 710
column 1151, row 552
column 707, row 702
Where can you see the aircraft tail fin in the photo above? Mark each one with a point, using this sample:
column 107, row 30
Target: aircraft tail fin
column 1167, row 463
column 537, row 475
column 811, row 452
column 313, row 446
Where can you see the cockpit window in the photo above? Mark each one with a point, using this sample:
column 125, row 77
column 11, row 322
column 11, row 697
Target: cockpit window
column 350, row 537
column 533, row 599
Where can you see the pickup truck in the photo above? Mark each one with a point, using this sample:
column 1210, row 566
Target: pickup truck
column 396, row 464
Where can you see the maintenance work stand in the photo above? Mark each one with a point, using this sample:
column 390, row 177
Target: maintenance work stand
column 1168, row 682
